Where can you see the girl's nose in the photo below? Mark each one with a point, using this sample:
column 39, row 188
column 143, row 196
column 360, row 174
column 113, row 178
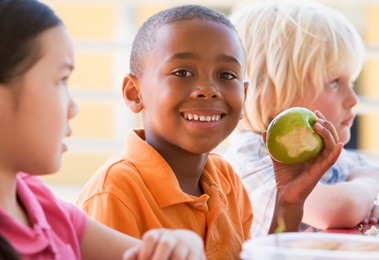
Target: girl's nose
column 73, row 109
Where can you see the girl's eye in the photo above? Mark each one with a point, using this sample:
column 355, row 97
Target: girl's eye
column 183, row 73
column 333, row 84
column 227, row 76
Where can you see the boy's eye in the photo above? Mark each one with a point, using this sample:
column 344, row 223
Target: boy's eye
column 183, row 73
column 333, row 84
column 227, row 76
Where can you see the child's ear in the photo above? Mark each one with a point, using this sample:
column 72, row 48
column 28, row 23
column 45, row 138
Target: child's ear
column 131, row 93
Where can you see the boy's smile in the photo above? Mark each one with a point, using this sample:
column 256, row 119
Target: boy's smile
column 206, row 119
column 191, row 90
column 201, row 118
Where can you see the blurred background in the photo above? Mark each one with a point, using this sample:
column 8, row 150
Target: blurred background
column 103, row 32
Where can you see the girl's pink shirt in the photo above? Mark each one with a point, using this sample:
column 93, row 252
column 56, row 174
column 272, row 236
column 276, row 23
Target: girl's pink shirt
column 56, row 227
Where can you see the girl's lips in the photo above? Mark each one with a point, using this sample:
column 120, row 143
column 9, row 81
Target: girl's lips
column 68, row 134
column 64, row 148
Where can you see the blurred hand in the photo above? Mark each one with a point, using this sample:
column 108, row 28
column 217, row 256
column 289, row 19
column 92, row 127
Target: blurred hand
column 161, row 244
column 373, row 218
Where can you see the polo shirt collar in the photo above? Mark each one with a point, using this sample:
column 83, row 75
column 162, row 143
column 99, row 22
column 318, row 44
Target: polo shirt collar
column 27, row 240
column 154, row 170
column 32, row 206
column 146, row 159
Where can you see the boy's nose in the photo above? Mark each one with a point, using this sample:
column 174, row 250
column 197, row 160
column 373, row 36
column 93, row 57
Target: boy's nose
column 352, row 98
column 206, row 91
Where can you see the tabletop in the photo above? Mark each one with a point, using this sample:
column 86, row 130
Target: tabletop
column 354, row 230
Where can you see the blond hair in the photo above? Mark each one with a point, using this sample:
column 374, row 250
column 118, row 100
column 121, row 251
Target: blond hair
column 291, row 46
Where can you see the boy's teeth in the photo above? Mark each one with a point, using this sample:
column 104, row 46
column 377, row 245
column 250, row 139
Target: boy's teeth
column 196, row 117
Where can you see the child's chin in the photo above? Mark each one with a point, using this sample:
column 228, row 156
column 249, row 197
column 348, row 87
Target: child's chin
column 344, row 137
column 55, row 167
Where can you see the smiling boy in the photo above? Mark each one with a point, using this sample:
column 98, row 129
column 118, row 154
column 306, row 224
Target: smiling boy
column 187, row 82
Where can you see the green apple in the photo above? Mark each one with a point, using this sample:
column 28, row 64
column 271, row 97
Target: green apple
column 291, row 137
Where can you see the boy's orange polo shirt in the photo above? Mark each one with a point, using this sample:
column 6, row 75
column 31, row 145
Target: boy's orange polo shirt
column 138, row 191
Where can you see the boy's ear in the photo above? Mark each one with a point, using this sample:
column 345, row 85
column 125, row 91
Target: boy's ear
column 131, row 93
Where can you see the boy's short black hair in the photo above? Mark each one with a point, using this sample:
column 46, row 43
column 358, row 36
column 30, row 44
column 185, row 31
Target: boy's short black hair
column 146, row 35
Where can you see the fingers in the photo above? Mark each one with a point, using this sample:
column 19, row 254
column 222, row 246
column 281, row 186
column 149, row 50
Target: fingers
column 132, row 253
column 160, row 244
column 170, row 248
column 327, row 125
column 195, row 243
column 153, row 245
column 319, row 114
column 332, row 146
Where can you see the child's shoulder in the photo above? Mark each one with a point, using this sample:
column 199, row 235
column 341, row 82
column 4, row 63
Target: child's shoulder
column 221, row 166
column 112, row 171
column 113, row 177
column 217, row 158
column 35, row 194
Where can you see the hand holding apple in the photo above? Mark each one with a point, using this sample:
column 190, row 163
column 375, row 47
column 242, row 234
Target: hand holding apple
column 291, row 137
column 295, row 180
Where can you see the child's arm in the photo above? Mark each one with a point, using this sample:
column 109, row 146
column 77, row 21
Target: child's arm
column 327, row 205
column 295, row 182
column 101, row 242
column 369, row 177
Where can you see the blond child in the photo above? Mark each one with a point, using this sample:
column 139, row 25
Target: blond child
column 301, row 53
column 36, row 61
